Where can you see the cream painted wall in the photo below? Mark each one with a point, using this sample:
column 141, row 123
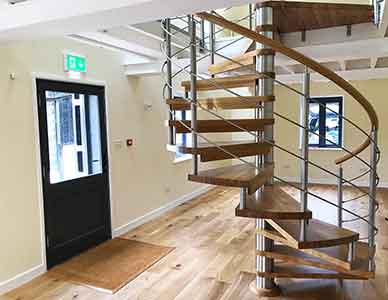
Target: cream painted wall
column 287, row 135
column 144, row 176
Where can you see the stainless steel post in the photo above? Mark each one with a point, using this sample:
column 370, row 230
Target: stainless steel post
column 372, row 197
column 193, row 90
column 243, row 197
column 264, row 87
column 351, row 252
column 167, row 39
column 203, row 44
column 304, row 168
column 376, row 12
column 250, row 11
column 212, row 43
column 340, row 196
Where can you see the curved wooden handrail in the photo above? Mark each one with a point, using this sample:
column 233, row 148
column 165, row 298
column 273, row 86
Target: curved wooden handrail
column 310, row 63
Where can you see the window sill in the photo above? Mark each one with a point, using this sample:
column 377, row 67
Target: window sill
column 182, row 158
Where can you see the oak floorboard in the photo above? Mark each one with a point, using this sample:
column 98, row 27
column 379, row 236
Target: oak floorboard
column 213, row 247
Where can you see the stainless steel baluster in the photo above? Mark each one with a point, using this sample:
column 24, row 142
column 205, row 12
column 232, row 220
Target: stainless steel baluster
column 193, row 90
column 250, row 11
column 167, row 39
column 372, row 197
column 202, row 27
column 305, row 105
column 340, row 184
column 212, row 43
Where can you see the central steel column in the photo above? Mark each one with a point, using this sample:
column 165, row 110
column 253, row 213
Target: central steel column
column 264, row 87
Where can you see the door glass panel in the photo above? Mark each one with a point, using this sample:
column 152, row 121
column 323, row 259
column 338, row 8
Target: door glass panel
column 74, row 135
column 314, row 124
column 332, row 123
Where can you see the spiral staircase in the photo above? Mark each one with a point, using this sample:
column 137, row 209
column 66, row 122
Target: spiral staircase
column 290, row 243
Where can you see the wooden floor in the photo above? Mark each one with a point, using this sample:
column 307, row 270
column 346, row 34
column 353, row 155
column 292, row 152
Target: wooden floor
column 213, row 247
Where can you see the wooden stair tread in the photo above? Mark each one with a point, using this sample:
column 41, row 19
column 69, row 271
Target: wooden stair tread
column 247, row 102
column 227, row 82
column 293, row 16
column 329, row 253
column 319, row 234
column 289, row 270
column 272, row 203
column 295, row 256
column 209, row 152
column 238, row 62
column 241, row 175
column 223, row 126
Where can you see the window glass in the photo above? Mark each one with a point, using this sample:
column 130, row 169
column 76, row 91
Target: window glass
column 314, row 124
column 74, row 136
column 325, row 124
column 182, row 138
column 332, row 123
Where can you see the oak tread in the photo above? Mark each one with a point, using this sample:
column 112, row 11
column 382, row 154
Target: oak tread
column 288, row 270
column 319, row 234
column 291, row 255
column 241, row 175
column 209, row 152
column 272, row 203
column 209, row 126
column 246, row 102
column 227, row 82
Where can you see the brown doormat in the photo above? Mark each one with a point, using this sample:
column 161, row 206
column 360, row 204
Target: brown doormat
column 111, row 265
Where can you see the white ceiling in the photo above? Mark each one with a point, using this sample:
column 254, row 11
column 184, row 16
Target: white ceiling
column 45, row 18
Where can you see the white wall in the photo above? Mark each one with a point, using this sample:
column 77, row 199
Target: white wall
column 144, row 177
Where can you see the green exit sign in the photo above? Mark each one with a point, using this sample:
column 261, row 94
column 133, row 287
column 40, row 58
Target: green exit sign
column 75, row 63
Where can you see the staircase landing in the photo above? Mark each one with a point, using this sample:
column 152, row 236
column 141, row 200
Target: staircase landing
column 292, row 16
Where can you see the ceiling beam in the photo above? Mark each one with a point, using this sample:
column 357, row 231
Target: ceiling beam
column 364, row 74
column 103, row 39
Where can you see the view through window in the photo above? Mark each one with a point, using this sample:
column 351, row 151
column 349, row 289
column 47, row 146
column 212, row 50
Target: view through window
column 325, row 123
column 73, row 135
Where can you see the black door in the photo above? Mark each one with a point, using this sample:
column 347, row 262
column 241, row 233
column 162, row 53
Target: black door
column 74, row 167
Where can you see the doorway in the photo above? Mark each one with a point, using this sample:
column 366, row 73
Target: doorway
column 75, row 171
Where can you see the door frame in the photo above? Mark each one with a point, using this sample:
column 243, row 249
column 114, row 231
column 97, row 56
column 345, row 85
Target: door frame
column 35, row 76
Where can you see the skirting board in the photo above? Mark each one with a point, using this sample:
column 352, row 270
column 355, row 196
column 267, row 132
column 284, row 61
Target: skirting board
column 29, row 275
column 21, row 279
column 159, row 211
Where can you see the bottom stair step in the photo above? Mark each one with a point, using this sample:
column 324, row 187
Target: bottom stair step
column 335, row 255
column 293, row 256
column 289, row 270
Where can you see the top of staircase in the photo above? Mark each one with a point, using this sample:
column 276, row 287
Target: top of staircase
column 292, row 16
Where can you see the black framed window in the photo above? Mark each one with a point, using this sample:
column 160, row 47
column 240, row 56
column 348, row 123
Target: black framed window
column 325, row 120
